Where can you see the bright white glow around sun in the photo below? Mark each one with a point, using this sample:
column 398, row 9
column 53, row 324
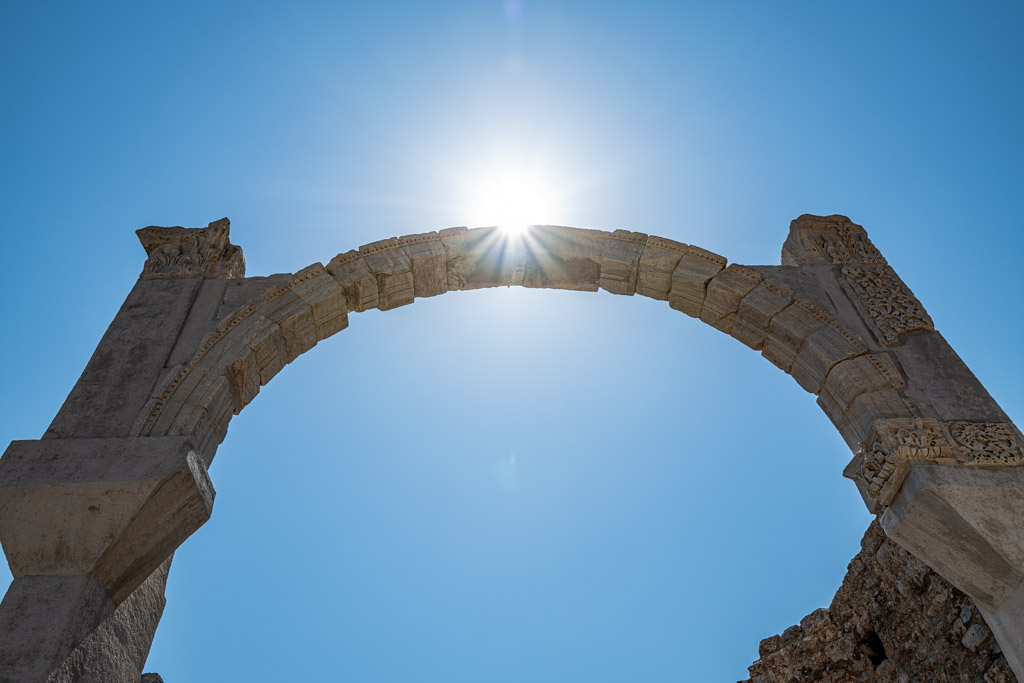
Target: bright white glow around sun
column 510, row 197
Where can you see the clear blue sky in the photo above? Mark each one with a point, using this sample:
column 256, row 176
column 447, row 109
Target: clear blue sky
column 507, row 485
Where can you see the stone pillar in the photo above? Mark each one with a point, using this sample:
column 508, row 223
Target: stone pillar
column 89, row 512
column 935, row 456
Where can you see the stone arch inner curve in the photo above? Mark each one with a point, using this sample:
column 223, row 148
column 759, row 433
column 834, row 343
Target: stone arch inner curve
column 779, row 311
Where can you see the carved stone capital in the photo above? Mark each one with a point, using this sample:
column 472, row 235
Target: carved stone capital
column 881, row 464
column 190, row 252
column 887, row 305
column 828, row 240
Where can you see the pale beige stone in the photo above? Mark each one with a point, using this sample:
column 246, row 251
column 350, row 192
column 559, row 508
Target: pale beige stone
column 755, row 312
column 620, row 262
column 656, row 266
column 690, row 279
column 356, row 279
column 724, row 293
column 429, row 262
column 786, row 333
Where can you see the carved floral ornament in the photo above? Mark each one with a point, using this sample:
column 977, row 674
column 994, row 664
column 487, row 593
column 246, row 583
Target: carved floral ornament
column 188, row 252
column 888, row 305
column 839, row 240
column 883, row 461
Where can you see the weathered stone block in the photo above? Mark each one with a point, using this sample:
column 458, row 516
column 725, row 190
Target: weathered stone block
column 356, row 279
column 658, row 262
column 270, row 352
column 724, row 293
column 562, row 258
column 113, row 508
column 326, row 299
column 429, row 259
column 388, row 262
column 43, row 618
column 946, row 514
column 690, row 279
column 786, row 333
column 756, row 310
column 243, row 375
column 855, row 424
column 851, row 378
column 822, row 349
column 117, row 650
column 483, row 257
column 620, row 261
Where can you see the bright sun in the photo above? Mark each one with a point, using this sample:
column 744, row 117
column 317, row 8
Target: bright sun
column 511, row 198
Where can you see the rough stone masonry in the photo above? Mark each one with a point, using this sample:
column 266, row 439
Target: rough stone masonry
column 91, row 513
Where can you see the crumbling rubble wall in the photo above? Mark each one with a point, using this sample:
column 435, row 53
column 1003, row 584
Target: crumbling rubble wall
column 892, row 620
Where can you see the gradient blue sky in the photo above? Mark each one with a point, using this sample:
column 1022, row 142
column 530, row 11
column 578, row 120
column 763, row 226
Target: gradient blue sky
column 507, row 485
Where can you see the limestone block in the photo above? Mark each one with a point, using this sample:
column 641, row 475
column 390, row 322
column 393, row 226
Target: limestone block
column 483, row 257
column 238, row 293
column 178, row 383
column 195, row 422
column 294, row 317
column 117, row 650
column 690, row 279
column 786, row 333
column 231, row 337
column 1005, row 622
column 851, row 378
column 855, row 423
column 756, row 310
column 938, row 378
column 202, row 318
column 457, row 247
column 429, row 263
column 563, row 258
column 325, row 297
column 356, row 279
column 822, row 349
column 270, row 352
column 805, row 282
column 965, row 524
column 724, row 293
column 620, row 261
column 243, row 375
column 119, row 378
column 389, row 264
column 657, row 264
column 113, row 508
column 43, row 618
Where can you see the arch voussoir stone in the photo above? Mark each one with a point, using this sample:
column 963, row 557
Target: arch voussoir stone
column 934, row 455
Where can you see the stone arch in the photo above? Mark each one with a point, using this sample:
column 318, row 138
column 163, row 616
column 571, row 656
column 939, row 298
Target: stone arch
column 94, row 510
column 281, row 317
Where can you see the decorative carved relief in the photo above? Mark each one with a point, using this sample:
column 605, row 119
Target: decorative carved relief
column 884, row 459
column 841, row 241
column 987, row 443
column 888, row 305
column 187, row 252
